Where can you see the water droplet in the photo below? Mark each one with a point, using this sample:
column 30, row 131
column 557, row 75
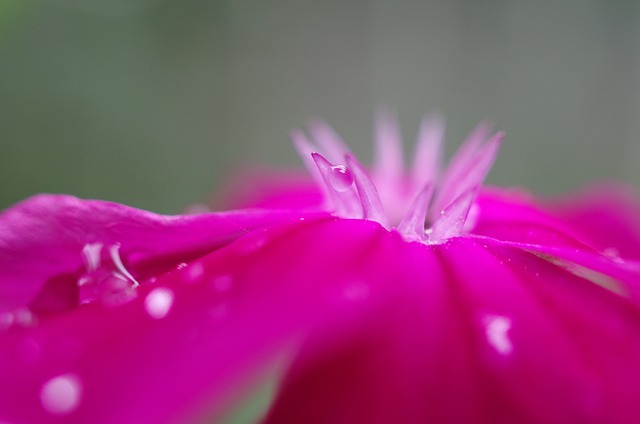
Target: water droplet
column 340, row 178
column 222, row 283
column 194, row 273
column 158, row 302
column 181, row 265
column 496, row 329
column 61, row 395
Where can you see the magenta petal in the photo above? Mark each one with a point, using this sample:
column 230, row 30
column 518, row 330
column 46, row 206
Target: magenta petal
column 608, row 217
column 42, row 238
column 510, row 220
column 477, row 336
column 193, row 338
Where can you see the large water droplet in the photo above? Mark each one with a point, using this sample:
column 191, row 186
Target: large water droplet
column 340, row 178
column 497, row 333
column 61, row 395
column 158, row 302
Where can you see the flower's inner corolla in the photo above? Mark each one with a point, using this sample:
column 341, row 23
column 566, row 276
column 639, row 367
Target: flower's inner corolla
column 423, row 203
column 106, row 279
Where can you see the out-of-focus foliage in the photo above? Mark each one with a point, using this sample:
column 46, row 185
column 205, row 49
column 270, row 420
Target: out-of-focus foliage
column 153, row 102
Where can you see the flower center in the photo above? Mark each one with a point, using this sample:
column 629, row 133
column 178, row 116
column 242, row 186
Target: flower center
column 423, row 203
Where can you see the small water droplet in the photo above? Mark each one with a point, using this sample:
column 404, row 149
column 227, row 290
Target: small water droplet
column 340, row 178
column 194, row 273
column 158, row 302
column 222, row 283
column 61, row 395
column 181, row 265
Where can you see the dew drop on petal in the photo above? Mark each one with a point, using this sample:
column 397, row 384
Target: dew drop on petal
column 61, row 395
column 496, row 329
column 340, row 178
column 181, row 265
column 158, row 302
column 194, row 273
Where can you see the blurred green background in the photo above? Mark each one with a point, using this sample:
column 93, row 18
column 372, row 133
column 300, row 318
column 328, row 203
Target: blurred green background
column 154, row 102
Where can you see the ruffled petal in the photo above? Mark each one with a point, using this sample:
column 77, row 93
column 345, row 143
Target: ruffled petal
column 197, row 335
column 42, row 239
column 512, row 219
column 608, row 217
column 479, row 335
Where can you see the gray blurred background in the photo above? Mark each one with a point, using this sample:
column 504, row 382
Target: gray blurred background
column 154, row 102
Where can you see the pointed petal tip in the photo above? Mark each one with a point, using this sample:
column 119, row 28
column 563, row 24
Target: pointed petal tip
column 372, row 208
column 413, row 224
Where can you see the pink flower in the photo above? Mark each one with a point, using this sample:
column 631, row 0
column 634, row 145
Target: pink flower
column 398, row 296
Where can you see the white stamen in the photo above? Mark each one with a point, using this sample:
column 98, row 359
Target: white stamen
column 451, row 220
column 91, row 254
column 350, row 191
column 345, row 201
column 413, row 223
column 371, row 205
column 389, row 157
column 428, row 156
column 328, row 140
column 115, row 257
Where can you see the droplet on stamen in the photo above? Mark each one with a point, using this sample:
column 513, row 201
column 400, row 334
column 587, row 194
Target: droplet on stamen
column 340, row 178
